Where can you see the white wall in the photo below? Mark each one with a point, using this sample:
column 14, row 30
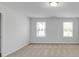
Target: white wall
column 0, row 32
column 54, row 30
column 15, row 30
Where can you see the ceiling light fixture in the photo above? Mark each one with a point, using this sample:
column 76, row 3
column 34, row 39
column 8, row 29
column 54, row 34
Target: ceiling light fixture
column 53, row 4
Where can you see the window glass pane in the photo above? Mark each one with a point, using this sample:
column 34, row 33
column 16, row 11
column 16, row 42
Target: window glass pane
column 41, row 25
column 40, row 29
column 68, row 29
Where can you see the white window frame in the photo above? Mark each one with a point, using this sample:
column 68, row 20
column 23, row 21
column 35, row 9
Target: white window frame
column 67, row 29
column 40, row 29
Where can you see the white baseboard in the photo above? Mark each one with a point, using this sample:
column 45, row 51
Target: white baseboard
column 58, row 42
column 4, row 55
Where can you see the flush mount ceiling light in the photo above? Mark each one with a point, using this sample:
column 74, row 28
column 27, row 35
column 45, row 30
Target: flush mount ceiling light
column 53, row 4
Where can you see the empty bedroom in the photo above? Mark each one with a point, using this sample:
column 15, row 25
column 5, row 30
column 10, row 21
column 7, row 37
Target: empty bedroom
column 39, row 29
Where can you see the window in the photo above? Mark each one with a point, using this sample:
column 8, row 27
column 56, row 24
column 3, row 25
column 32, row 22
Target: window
column 40, row 29
column 68, row 29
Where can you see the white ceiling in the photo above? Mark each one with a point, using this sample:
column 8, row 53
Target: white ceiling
column 41, row 9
